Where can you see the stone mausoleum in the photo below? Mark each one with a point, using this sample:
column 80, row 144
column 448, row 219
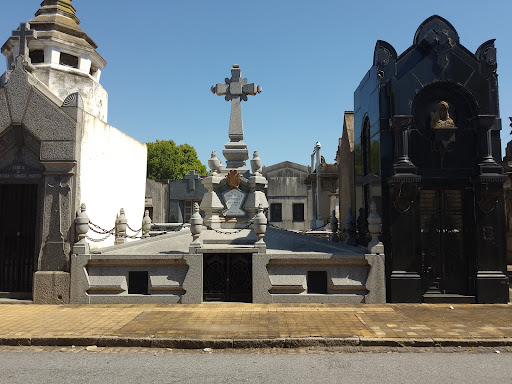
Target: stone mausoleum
column 428, row 153
column 56, row 152
column 230, row 255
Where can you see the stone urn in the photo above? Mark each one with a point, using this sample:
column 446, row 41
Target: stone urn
column 196, row 223
column 260, row 224
column 122, row 222
column 82, row 223
column 146, row 224
column 375, row 228
column 256, row 163
column 214, row 163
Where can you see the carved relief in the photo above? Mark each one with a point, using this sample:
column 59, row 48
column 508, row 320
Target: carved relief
column 6, row 141
column 233, row 178
column 441, row 118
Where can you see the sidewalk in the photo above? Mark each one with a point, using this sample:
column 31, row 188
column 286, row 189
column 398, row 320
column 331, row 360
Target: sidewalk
column 256, row 325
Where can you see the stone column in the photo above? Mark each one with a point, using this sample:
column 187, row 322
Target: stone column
column 256, row 196
column 486, row 162
column 211, row 204
column 400, row 125
column 405, row 281
column 52, row 279
column 57, row 211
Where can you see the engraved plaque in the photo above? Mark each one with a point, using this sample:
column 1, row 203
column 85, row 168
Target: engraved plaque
column 233, row 201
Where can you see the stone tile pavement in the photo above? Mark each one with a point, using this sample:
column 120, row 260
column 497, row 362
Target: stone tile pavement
column 251, row 325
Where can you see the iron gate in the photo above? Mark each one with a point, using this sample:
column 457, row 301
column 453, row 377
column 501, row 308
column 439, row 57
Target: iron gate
column 18, row 204
column 227, row 277
column 442, row 241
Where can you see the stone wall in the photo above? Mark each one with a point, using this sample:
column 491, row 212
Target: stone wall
column 112, row 175
column 157, row 200
column 286, row 186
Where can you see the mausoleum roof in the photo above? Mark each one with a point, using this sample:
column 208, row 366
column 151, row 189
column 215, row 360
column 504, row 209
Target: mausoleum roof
column 56, row 20
column 277, row 242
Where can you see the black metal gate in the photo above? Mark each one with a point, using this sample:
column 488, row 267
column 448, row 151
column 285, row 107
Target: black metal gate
column 227, row 277
column 18, row 205
column 442, row 241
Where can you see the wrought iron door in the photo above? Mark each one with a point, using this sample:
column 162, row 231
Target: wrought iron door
column 18, row 204
column 442, row 241
column 227, row 277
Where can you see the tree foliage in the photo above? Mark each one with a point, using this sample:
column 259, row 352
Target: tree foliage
column 166, row 160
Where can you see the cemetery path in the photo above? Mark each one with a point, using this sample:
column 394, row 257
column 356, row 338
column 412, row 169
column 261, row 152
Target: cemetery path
column 227, row 325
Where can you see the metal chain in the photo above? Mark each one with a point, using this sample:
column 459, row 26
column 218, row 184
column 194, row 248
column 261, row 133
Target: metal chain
column 179, row 227
column 98, row 240
column 133, row 230
column 297, row 231
column 104, row 231
column 228, row 233
column 130, row 237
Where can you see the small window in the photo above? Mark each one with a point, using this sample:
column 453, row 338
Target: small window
column 298, row 212
column 37, row 56
column 366, row 143
column 93, row 70
column 68, row 60
column 276, row 212
column 138, row 283
column 317, row 282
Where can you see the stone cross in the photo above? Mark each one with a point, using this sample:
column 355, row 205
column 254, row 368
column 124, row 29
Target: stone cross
column 236, row 89
column 192, row 177
column 24, row 33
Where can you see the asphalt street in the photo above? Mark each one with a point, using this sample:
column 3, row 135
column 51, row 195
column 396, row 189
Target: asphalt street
column 27, row 367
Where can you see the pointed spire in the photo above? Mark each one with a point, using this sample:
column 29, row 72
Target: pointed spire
column 60, row 16
column 62, row 7
column 57, row 28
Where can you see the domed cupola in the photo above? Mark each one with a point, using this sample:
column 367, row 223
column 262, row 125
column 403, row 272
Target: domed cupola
column 63, row 56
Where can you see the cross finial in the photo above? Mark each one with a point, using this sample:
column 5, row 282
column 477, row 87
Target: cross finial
column 236, row 89
column 24, row 34
column 192, row 177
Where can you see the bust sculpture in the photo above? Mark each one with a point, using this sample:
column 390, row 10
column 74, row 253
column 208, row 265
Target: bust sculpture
column 441, row 118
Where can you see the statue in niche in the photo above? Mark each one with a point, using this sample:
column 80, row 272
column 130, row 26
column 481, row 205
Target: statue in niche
column 441, row 118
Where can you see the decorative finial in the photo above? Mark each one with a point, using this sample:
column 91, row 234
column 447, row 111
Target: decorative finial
column 196, row 225
column 146, row 224
column 260, row 224
column 82, row 223
column 214, row 163
column 24, row 34
column 256, row 163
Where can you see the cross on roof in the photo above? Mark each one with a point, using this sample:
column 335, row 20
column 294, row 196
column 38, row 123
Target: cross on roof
column 236, row 89
column 192, row 177
column 24, row 34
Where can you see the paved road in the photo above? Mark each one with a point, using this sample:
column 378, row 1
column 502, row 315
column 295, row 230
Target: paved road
column 125, row 368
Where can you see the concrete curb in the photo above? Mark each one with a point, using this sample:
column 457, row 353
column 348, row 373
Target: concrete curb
column 145, row 342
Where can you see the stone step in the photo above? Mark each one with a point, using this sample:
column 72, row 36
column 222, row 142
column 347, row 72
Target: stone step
column 439, row 298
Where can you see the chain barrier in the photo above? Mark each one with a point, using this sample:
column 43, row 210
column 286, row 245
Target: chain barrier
column 297, row 231
column 98, row 240
column 133, row 230
column 179, row 227
column 103, row 231
column 228, row 233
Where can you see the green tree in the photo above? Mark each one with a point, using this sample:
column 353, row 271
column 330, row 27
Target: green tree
column 166, row 160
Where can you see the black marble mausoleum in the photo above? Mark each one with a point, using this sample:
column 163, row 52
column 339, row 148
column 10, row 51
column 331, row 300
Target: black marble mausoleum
column 427, row 151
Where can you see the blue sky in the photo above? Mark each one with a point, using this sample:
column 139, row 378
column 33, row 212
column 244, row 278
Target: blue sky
column 309, row 57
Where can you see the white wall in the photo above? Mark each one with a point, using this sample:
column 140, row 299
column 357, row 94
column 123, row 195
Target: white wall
column 112, row 175
column 63, row 81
